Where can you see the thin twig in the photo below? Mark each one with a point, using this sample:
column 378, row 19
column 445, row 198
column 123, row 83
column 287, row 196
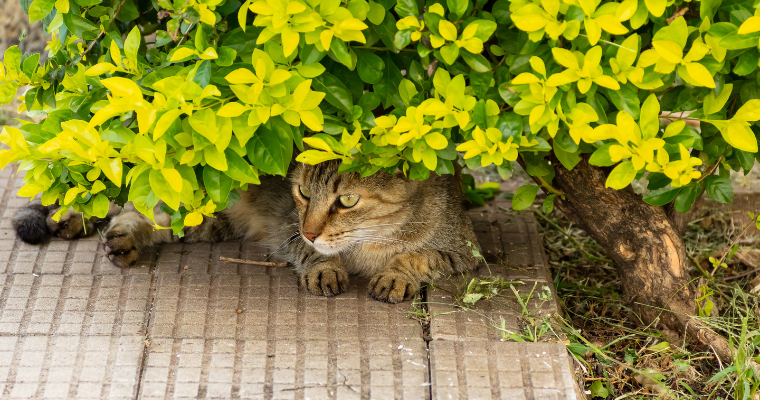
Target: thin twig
column 262, row 263
column 711, row 169
column 742, row 275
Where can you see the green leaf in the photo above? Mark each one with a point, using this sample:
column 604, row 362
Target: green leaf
column 100, row 206
column 215, row 158
column 226, row 56
column 40, row 9
column 387, row 88
column 335, row 91
column 686, row 197
column 407, row 8
column 568, row 160
column 376, row 13
column 163, row 189
column 714, row 104
column 457, row 7
column 217, row 184
column 387, row 31
column 661, row 197
column 524, row 197
column 548, row 205
column 479, row 116
column 339, row 50
column 650, row 117
column 476, row 61
column 78, row 25
column 707, row 8
column 626, row 100
column 719, row 189
column 481, row 82
column 132, row 44
column 601, row 157
column 271, row 148
column 370, row 67
column 8, row 92
column 204, row 122
column 510, row 124
column 239, row 169
column 597, row 388
column 32, row 62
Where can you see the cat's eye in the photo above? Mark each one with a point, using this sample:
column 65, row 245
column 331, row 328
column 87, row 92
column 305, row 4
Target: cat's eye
column 349, row 201
column 304, row 192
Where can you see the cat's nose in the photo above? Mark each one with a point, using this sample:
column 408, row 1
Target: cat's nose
column 310, row 236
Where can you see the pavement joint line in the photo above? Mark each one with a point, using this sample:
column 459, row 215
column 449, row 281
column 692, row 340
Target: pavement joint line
column 148, row 318
column 270, row 354
column 239, row 344
column 426, row 328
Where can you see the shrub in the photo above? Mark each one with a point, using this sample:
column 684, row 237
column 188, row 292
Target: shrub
column 185, row 102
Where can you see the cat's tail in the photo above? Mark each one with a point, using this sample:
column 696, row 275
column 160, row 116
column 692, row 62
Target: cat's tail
column 30, row 222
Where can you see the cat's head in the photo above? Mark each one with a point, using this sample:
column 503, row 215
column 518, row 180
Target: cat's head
column 337, row 211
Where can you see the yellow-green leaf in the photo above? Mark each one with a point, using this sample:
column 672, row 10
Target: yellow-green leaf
column 182, row 53
column 621, row 176
column 700, row 74
column 740, row 136
column 656, row 7
column 436, row 140
column 752, row 24
column 448, row 30
column 668, row 50
column 100, row 69
column 194, row 218
column 174, row 179
column 123, row 87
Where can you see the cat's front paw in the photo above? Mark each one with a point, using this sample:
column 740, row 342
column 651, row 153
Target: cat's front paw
column 121, row 247
column 326, row 279
column 392, row 287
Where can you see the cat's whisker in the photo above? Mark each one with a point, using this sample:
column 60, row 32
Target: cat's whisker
column 285, row 242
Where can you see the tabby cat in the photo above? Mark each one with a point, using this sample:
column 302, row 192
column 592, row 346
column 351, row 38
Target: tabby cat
column 396, row 231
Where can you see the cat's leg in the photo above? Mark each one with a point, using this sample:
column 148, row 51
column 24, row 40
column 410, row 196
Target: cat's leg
column 319, row 274
column 401, row 278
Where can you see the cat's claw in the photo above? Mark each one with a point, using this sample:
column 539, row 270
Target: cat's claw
column 325, row 280
column 392, row 287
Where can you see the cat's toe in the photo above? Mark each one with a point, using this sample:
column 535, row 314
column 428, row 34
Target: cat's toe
column 327, row 281
column 121, row 248
column 392, row 287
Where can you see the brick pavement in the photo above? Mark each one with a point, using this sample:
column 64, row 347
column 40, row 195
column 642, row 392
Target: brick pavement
column 74, row 326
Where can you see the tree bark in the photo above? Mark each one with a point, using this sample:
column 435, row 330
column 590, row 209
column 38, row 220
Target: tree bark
column 646, row 244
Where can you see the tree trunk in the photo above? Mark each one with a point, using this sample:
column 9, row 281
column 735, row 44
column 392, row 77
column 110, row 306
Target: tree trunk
column 646, row 243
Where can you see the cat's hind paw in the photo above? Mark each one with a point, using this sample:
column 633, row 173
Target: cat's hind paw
column 71, row 225
column 326, row 279
column 392, row 287
column 121, row 248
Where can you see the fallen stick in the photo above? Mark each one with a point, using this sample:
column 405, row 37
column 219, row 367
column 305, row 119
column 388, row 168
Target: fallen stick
column 262, row 263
